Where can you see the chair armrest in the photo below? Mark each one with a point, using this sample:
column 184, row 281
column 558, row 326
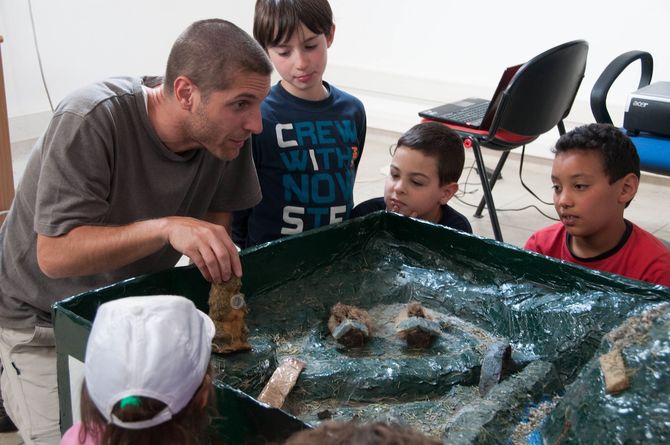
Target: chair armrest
column 610, row 74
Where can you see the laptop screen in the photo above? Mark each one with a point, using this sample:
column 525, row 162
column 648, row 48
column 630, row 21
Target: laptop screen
column 472, row 112
column 495, row 101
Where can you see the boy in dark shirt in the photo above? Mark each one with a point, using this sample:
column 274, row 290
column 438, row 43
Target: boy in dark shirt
column 313, row 133
column 423, row 176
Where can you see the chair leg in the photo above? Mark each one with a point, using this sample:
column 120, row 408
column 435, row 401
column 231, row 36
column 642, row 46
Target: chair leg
column 488, row 197
column 494, row 178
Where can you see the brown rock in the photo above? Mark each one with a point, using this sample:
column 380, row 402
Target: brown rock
column 228, row 310
column 356, row 320
column 418, row 334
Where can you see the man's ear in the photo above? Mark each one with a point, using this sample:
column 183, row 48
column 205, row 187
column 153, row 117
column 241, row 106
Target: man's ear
column 331, row 36
column 448, row 191
column 185, row 92
column 629, row 185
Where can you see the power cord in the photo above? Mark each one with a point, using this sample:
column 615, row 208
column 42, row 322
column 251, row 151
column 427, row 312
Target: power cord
column 39, row 57
column 463, row 191
column 523, row 152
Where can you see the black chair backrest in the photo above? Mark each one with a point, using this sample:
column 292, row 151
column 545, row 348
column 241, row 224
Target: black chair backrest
column 610, row 74
column 541, row 93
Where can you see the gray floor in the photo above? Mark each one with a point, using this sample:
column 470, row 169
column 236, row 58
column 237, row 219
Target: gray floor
column 9, row 439
column 517, row 219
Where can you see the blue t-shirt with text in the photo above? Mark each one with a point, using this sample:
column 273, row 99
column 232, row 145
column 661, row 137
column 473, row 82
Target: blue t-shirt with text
column 306, row 158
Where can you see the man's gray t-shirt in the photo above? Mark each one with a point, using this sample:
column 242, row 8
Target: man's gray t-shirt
column 101, row 163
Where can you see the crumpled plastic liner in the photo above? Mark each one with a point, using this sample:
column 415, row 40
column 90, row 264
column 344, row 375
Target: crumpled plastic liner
column 553, row 314
column 247, row 372
column 640, row 414
column 477, row 304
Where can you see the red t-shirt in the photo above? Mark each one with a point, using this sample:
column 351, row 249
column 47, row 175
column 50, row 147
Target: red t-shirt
column 640, row 256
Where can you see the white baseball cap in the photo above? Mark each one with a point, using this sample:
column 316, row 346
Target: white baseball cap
column 152, row 346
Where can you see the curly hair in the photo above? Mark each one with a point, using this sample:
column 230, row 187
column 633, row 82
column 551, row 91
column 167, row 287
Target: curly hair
column 617, row 151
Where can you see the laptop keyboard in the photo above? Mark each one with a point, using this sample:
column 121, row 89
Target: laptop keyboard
column 472, row 114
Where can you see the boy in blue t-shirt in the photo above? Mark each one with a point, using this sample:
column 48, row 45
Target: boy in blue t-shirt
column 423, row 177
column 313, row 133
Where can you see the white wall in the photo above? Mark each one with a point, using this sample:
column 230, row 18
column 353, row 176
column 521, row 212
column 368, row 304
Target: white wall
column 81, row 41
column 399, row 57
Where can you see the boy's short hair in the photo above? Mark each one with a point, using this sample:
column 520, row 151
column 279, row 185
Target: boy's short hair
column 275, row 21
column 440, row 142
column 616, row 149
column 211, row 52
column 372, row 433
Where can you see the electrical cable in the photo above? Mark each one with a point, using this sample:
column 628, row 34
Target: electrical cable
column 523, row 152
column 39, row 57
column 464, row 191
column 467, row 181
column 506, row 209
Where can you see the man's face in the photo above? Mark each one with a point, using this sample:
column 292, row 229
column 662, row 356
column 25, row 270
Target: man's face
column 224, row 120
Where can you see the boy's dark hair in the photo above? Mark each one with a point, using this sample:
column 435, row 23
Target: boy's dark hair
column 210, row 53
column 374, row 433
column 616, row 149
column 275, row 21
column 440, row 142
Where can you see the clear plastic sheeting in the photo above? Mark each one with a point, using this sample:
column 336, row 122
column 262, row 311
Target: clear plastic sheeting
column 556, row 325
column 638, row 414
column 481, row 296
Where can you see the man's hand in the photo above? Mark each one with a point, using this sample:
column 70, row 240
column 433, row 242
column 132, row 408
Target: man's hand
column 97, row 249
column 208, row 246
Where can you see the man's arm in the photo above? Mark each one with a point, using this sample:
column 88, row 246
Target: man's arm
column 88, row 250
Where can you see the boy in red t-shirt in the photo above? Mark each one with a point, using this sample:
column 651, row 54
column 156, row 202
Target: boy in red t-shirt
column 596, row 173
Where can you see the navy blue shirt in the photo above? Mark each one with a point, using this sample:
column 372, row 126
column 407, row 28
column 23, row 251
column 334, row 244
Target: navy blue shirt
column 450, row 217
column 306, row 159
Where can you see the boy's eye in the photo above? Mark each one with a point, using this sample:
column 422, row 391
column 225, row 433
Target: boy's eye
column 281, row 51
column 556, row 188
column 311, row 46
column 581, row 186
column 417, row 183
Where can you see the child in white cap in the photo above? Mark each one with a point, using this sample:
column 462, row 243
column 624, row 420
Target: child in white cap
column 146, row 374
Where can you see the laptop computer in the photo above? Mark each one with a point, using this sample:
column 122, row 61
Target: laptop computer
column 473, row 112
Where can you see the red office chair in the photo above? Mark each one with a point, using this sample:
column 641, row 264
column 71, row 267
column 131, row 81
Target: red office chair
column 538, row 98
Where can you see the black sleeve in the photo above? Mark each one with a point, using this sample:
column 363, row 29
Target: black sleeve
column 366, row 207
column 454, row 219
column 240, row 227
